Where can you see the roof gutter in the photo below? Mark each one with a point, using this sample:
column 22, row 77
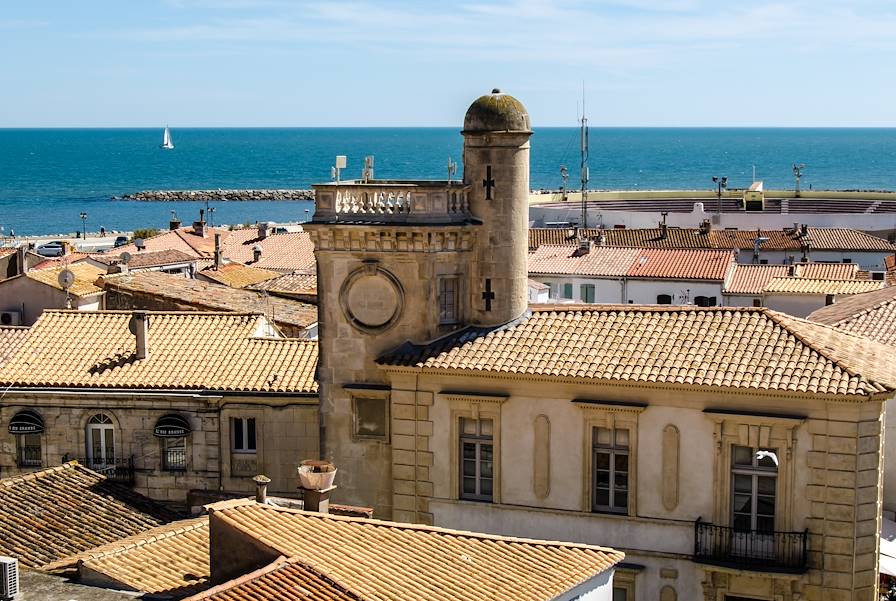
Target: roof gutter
column 158, row 392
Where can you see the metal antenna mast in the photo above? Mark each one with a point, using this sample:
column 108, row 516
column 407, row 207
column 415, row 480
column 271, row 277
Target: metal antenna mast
column 584, row 164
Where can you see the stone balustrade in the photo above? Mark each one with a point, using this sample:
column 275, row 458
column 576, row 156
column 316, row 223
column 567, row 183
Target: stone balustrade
column 405, row 201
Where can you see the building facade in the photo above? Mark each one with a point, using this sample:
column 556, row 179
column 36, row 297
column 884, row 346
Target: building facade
column 214, row 400
column 731, row 453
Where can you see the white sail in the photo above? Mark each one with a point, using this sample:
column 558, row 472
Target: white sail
column 166, row 139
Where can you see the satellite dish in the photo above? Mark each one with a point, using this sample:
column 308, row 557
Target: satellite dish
column 125, row 257
column 66, row 279
column 132, row 325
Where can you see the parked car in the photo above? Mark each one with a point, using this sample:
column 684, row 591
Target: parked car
column 120, row 241
column 52, row 249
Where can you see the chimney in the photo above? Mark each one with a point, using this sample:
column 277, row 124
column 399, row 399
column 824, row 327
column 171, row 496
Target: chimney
column 263, row 229
column 21, row 263
column 117, row 267
column 218, row 260
column 829, row 299
column 316, row 483
column 256, row 253
column 261, row 488
column 139, row 327
column 584, row 247
column 705, row 226
column 664, row 231
column 601, row 238
column 791, row 270
column 199, row 226
column 174, row 224
column 790, row 259
column 804, row 230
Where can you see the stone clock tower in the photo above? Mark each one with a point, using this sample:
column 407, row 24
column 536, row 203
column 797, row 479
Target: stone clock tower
column 401, row 261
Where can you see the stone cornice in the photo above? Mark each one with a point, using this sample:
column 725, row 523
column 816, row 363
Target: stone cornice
column 386, row 238
column 589, row 405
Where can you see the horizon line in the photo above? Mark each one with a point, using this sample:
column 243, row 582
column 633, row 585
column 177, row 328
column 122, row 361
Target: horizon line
column 448, row 127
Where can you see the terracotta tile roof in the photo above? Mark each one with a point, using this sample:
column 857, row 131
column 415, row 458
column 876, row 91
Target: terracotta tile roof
column 189, row 294
column 145, row 259
column 237, row 275
column 11, row 338
column 721, row 347
column 371, row 557
column 293, row 251
column 60, row 511
column 795, row 285
column 837, row 238
column 6, row 251
column 283, row 580
column 56, row 262
column 184, row 239
column 821, row 238
column 85, row 276
column 870, row 314
column 537, row 285
column 290, row 283
column 682, row 264
column 195, row 351
column 568, row 260
column 169, row 559
column 751, row 279
column 827, row 271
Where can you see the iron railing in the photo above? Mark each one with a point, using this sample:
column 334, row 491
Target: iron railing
column 119, row 470
column 750, row 549
column 30, row 456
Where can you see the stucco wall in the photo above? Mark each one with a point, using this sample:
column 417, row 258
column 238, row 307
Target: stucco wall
column 24, row 294
column 798, row 305
column 658, row 531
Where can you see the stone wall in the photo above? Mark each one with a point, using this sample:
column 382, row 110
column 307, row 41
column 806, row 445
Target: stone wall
column 287, row 433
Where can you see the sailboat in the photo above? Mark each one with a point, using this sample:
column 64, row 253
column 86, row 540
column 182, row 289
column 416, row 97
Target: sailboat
column 167, row 144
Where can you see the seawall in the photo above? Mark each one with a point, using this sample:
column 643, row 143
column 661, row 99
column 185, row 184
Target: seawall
column 217, row 195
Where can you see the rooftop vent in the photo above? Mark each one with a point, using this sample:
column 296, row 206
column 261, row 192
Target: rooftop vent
column 261, row 488
column 139, row 327
column 264, row 228
column 256, row 253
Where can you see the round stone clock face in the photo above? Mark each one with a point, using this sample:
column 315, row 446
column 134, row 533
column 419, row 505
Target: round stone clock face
column 371, row 299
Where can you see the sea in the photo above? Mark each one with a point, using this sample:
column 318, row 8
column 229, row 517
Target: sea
column 48, row 177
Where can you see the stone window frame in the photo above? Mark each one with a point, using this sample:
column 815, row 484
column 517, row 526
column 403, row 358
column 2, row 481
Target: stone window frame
column 355, row 392
column 244, row 420
column 475, row 406
column 755, row 430
column 625, row 579
column 603, row 414
column 226, row 432
column 459, row 292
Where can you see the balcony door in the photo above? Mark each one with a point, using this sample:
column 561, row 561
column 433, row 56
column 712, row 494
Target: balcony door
column 100, row 442
column 754, row 484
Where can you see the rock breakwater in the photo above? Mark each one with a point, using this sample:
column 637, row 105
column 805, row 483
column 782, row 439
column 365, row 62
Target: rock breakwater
column 217, row 195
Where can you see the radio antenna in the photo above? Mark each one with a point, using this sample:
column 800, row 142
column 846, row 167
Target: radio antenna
column 584, row 161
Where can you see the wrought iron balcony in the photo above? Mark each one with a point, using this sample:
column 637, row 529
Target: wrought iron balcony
column 750, row 549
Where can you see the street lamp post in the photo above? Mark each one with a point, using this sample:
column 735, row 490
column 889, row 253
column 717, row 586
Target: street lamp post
column 722, row 183
column 798, row 174
column 84, row 224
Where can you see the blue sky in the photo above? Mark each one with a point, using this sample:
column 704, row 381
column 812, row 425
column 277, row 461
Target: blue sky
column 394, row 63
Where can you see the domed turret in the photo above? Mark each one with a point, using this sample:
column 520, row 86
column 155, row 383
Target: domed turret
column 496, row 112
column 496, row 169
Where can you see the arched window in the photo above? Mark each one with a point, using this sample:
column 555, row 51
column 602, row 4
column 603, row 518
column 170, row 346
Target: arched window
column 27, row 426
column 172, row 429
column 663, row 299
column 100, row 442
